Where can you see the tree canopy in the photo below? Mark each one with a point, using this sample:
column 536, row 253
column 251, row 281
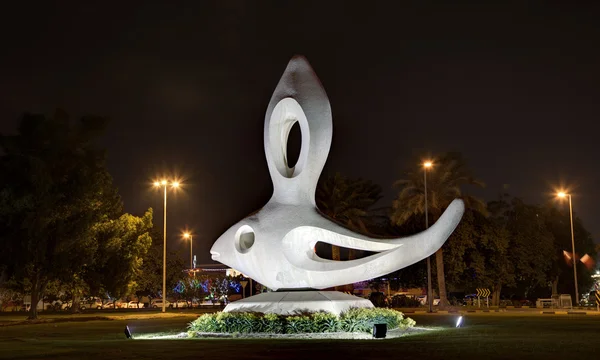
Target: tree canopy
column 54, row 188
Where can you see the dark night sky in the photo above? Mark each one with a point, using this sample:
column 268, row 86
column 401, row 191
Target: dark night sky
column 186, row 85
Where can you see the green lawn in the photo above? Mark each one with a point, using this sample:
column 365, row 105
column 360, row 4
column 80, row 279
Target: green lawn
column 498, row 336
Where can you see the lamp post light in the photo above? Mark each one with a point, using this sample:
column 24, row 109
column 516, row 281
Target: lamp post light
column 175, row 184
column 563, row 195
column 186, row 236
column 426, row 166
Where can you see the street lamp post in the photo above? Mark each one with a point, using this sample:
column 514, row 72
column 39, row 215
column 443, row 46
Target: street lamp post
column 188, row 235
column 563, row 195
column 164, row 184
column 426, row 166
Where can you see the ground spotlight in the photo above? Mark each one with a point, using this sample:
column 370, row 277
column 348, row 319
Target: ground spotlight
column 459, row 321
column 379, row 331
column 127, row 332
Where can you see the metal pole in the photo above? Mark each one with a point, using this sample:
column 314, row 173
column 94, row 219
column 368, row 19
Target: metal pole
column 191, row 253
column 164, row 287
column 429, row 290
column 574, row 259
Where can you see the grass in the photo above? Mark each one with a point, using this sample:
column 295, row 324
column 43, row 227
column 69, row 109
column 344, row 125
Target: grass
column 497, row 336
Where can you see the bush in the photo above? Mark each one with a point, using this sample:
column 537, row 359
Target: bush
column 271, row 323
column 325, row 322
column 205, row 323
column 299, row 324
column 353, row 320
column 363, row 319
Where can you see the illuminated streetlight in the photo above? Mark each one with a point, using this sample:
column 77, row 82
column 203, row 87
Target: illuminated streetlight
column 562, row 195
column 427, row 165
column 174, row 185
column 185, row 236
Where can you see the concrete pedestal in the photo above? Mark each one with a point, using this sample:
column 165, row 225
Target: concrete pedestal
column 296, row 302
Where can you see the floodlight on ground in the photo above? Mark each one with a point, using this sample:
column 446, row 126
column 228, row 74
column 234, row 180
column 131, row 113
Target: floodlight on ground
column 128, row 332
column 379, row 331
column 459, row 321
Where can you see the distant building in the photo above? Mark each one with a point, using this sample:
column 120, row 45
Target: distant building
column 213, row 270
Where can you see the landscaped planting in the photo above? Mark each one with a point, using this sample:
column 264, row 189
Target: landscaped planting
column 353, row 320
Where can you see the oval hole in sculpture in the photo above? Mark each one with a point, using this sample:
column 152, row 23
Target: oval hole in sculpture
column 294, row 144
column 244, row 238
column 324, row 251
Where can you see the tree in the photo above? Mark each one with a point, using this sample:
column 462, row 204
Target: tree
column 531, row 244
column 561, row 270
column 122, row 244
column 191, row 287
column 476, row 255
column 347, row 201
column 149, row 278
column 53, row 188
column 444, row 184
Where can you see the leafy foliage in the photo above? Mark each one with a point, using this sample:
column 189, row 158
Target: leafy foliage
column 363, row 319
column 122, row 244
column 149, row 278
column 354, row 320
column 347, row 201
column 271, row 323
column 445, row 182
column 53, row 188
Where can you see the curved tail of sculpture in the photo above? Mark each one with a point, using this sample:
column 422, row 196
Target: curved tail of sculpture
column 392, row 254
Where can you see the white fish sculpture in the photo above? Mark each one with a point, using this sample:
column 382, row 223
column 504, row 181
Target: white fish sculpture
column 275, row 245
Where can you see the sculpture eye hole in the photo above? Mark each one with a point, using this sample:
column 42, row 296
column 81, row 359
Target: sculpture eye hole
column 244, row 239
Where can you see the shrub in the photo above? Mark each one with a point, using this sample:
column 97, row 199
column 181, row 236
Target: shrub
column 205, row 323
column 244, row 322
column 325, row 322
column 298, row 324
column 271, row 323
column 363, row 319
column 353, row 320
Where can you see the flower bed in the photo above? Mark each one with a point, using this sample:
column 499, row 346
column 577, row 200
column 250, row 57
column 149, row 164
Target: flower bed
column 353, row 320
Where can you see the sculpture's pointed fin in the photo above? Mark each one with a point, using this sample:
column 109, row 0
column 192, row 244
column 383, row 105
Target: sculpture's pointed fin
column 393, row 254
column 299, row 97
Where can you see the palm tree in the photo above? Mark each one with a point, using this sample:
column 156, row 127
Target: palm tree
column 444, row 184
column 347, row 201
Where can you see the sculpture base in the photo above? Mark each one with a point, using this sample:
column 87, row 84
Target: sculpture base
column 296, row 302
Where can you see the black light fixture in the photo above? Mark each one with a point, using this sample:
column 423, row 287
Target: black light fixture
column 379, row 331
column 127, row 332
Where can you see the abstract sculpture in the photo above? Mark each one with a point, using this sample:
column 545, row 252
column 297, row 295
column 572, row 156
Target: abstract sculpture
column 275, row 245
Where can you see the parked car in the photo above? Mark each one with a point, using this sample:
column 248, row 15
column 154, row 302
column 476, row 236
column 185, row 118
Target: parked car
column 179, row 304
column 92, row 304
column 134, row 305
column 470, row 299
column 66, row 305
column 158, row 303
column 112, row 305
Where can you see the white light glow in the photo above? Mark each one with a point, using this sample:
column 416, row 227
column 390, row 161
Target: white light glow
column 459, row 321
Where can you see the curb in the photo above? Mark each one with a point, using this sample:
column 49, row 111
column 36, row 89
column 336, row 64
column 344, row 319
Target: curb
column 567, row 313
